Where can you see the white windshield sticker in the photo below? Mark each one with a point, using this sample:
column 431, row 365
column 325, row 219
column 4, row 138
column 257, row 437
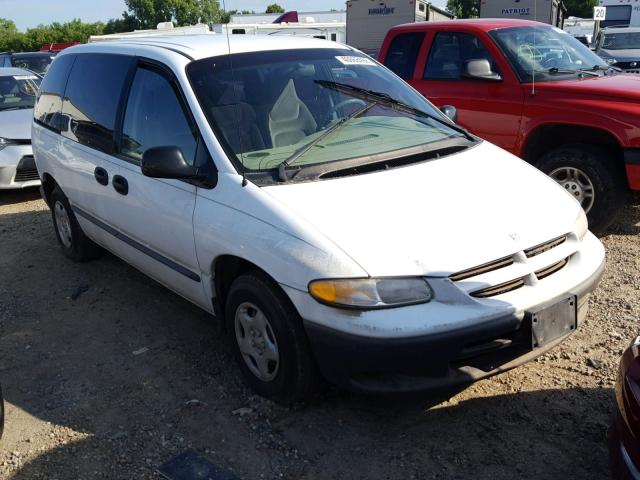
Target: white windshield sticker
column 346, row 60
column 25, row 77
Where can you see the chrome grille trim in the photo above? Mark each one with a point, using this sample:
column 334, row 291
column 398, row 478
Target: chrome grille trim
column 484, row 268
column 499, row 289
column 544, row 247
column 551, row 269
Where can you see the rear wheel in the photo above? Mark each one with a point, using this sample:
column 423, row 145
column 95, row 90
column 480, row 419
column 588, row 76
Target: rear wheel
column 74, row 243
column 268, row 340
column 591, row 176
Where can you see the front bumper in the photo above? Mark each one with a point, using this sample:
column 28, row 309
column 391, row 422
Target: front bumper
column 442, row 358
column 17, row 167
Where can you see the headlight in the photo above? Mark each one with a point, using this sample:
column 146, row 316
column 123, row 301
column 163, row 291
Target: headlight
column 610, row 61
column 371, row 293
column 582, row 225
column 4, row 142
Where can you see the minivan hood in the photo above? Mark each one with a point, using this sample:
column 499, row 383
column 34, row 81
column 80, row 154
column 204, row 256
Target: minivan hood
column 619, row 85
column 16, row 124
column 437, row 217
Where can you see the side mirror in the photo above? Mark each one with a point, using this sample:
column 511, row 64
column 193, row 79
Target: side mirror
column 451, row 112
column 480, row 69
column 167, row 162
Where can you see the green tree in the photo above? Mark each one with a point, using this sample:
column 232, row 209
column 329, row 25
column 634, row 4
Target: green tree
column 33, row 39
column 274, row 8
column 580, row 8
column 149, row 13
column 464, row 8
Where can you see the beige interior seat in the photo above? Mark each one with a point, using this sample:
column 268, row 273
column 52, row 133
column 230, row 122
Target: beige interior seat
column 290, row 120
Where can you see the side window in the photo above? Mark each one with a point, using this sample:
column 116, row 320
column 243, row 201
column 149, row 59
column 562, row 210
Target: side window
column 91, row 99
column 402, row 54
column 49, row 102
column 450, row 53
column 155, row 117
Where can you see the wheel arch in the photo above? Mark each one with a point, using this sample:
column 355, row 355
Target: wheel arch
column 48, row 185
column 546, row 137
column 224, row 270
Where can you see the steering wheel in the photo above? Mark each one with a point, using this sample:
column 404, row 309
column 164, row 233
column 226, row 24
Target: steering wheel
column 344, row 103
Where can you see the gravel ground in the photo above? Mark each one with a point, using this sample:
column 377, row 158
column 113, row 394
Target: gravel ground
column 106, row 374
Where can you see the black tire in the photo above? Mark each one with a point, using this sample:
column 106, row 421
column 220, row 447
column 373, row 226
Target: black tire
column 77, row 246
column 603, row 171
column 296, row 377
column 1, row 413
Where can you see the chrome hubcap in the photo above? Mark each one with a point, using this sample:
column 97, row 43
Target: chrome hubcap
column 63, row 224
column 257, row 342
column 577, row 183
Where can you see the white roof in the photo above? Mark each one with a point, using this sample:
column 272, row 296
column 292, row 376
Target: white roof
column 208, row 45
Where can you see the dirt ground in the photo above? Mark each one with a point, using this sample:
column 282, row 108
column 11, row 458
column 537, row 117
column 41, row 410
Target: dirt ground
column 106, row 374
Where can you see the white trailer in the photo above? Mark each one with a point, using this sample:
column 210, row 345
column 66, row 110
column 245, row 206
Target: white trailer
column 368, row 21
column 327, row 31
column 546, row 11
column 621, row 13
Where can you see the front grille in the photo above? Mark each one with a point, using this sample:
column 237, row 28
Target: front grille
column 551, row 269
column 504, row 263
column 635, row 66
column 26, row 170
column 545, row 247
column 485, row 268
column 499, row 289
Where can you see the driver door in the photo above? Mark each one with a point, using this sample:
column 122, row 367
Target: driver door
column 490, row 109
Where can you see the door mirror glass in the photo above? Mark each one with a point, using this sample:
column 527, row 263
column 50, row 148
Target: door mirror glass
column 480, row 69
column 167, row 162
column 451, row 112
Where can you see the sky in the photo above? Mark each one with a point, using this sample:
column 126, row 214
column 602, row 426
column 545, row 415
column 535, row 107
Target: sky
column 30, row 13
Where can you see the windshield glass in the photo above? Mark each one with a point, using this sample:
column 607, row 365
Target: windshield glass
column 621, row 41
column 18, row 91
column 309, row 107
column 38, row 64
column 548, row 51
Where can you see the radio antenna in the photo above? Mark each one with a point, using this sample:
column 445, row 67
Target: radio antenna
column 236, row 99
column 533, row 53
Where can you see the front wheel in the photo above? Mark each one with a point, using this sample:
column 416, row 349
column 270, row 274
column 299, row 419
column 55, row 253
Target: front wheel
column 268, row 340
column 592, row 177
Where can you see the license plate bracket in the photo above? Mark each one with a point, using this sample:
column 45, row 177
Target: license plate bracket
column 553, row 321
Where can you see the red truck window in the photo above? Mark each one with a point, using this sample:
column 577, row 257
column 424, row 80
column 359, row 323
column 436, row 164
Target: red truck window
column 449, row 54
column 403, row 53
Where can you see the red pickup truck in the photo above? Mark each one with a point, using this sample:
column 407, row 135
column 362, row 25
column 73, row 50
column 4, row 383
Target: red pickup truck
column 535, row 91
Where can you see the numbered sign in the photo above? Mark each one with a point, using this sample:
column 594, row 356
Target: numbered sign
column 599, row 13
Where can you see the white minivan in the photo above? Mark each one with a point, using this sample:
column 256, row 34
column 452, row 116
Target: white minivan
column 339, row 223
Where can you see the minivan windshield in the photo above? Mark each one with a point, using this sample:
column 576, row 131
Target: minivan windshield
column 546, row 52
column 621, row 41
column 18, row 91
column 299, row 109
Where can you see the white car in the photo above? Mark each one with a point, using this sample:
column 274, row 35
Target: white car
column 18, row 90
column 335, row 220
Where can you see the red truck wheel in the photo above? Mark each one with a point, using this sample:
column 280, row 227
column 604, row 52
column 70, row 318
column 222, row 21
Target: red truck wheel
column 591, row 176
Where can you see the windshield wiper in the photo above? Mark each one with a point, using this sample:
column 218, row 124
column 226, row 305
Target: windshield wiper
column 385, row 99
column 565, row 70
column 282, row 167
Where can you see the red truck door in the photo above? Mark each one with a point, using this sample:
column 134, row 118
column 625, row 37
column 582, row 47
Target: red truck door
column 490, row 109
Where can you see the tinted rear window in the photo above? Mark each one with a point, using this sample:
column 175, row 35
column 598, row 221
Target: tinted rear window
column 403, row 53
column 92, row 97
column 49, row 103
